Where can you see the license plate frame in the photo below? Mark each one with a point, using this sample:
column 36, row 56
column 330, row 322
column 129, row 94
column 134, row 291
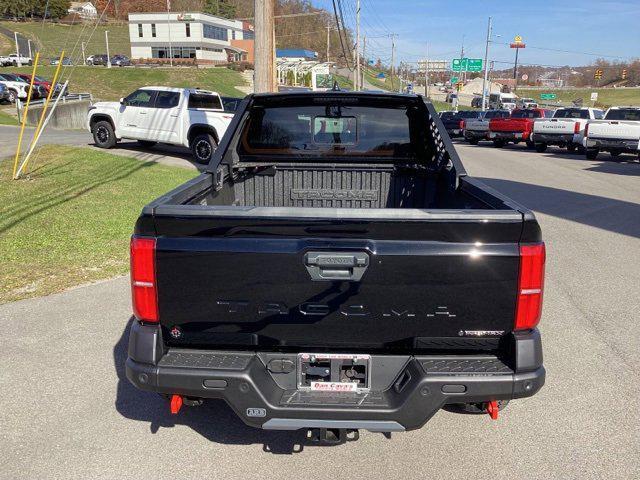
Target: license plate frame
column 339, row 366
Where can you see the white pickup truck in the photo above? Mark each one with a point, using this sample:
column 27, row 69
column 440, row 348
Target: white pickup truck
column 618, row 133
column 188, row 117
column 564, row 129
column 15, row 59
column 476, row 129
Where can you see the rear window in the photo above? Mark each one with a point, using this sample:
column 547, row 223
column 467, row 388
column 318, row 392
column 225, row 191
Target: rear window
column 526, row 114
column 623, row 114
column 496, row 114
column 332, row 130
column 204, row 101
column 447, row 115
column 468, row 114
column 571, row 113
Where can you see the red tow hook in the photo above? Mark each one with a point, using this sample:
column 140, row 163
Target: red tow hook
column 176, row 404
column 492, row 409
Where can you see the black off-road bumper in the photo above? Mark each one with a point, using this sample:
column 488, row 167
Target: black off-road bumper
column 406, row 391
column 476, row 134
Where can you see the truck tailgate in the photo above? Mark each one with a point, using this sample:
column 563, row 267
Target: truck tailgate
column 253, row 278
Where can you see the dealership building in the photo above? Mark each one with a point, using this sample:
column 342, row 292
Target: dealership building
column 199, row 36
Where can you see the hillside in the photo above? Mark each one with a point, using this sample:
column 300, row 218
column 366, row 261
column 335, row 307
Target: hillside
column 114, row 83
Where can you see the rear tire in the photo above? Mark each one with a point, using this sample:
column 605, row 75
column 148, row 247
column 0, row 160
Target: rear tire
column 615, row 153
column 530, row 145
column 541, row 147
column 592, row 153
column 12, row 96
column 473, row 141
column 498, row 143
column 103, row 134
column 202, row 148
column 571, row 148
column 146, row 143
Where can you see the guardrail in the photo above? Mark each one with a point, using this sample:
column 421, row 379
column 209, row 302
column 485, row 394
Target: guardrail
column 71, row 97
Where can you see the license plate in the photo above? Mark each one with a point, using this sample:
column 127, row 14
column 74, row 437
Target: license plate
column 456, row 131
column 334, row 372
column 518, row 135
column 333, row 387
column 492, row 135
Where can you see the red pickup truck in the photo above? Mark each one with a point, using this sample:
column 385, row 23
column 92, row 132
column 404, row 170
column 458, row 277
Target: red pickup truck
column 517, row 127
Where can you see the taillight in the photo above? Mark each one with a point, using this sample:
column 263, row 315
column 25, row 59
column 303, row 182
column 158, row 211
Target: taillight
column 586, row 130
column 576, row 128
column 530, row 286
column 143, row 279
column 461, row 124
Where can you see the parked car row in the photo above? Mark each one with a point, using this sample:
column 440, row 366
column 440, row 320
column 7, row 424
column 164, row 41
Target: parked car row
column 117, row 60
column 16, row 86
column 15, row 59
column 588, row 131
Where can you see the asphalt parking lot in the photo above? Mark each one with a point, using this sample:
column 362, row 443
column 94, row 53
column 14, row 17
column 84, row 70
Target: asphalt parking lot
column 68, row 412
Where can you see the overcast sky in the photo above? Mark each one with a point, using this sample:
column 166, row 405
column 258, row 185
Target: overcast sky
column 586, row 29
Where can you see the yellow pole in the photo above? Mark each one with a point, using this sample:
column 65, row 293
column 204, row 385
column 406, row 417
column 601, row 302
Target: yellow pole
column 24, row 113
column 46, row 103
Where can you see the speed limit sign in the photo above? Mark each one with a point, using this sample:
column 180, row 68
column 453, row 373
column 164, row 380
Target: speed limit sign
column 525, row 77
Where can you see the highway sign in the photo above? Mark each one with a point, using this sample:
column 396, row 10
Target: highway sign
column 548, row 96
column 466, row 64
column 594, row 96
column 454, row 80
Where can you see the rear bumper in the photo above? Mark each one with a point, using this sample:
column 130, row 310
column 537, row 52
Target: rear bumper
column 553, row 138
column 623, row 145
column 406, row 391
column 509, row 136
column 476, row 134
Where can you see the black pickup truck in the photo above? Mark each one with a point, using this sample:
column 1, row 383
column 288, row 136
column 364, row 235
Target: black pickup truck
column 336, row 269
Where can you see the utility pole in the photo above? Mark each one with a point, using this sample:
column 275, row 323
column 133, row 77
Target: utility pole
column 29, row 45
column 84, row 59
column 169, row 32
column 357, row 85
column 19, row 63
column 515, row 73
column 328, row 39
column 486, row 68
column 106, row 40
column 462, row 74
column 393, row 56
column 264, row 46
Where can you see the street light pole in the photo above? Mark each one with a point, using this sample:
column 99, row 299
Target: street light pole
column 426, row 74
column 106, row 40
column 169, row 33
column 29, row 45
column 486, row 68
column 18, row 62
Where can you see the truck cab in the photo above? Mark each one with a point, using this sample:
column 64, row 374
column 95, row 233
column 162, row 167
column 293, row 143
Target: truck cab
column 502, row 101
column 618, row 132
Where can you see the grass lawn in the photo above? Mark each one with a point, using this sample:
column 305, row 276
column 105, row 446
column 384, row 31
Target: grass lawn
column 53, row 38
column 6, row 47
column 370, row 76
column 606, row 96
column 6, row 119
column 70, row 221
column 112, row 83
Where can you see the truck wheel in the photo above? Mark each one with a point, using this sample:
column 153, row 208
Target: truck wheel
column 571, row 148
column 473, row 141
column 615, row 153
column 476, row 408
column 203, row 147
column 103, row 134
column 146, row 143
column 12, row 96
column 541, row 147
column 592, row 153
column 530, row 144
column 498, row 143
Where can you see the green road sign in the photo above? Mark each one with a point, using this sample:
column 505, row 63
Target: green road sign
column 466, row 64
column 454, row 80
column 548, row 96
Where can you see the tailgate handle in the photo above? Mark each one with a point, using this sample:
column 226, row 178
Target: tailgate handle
column 347, row 266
